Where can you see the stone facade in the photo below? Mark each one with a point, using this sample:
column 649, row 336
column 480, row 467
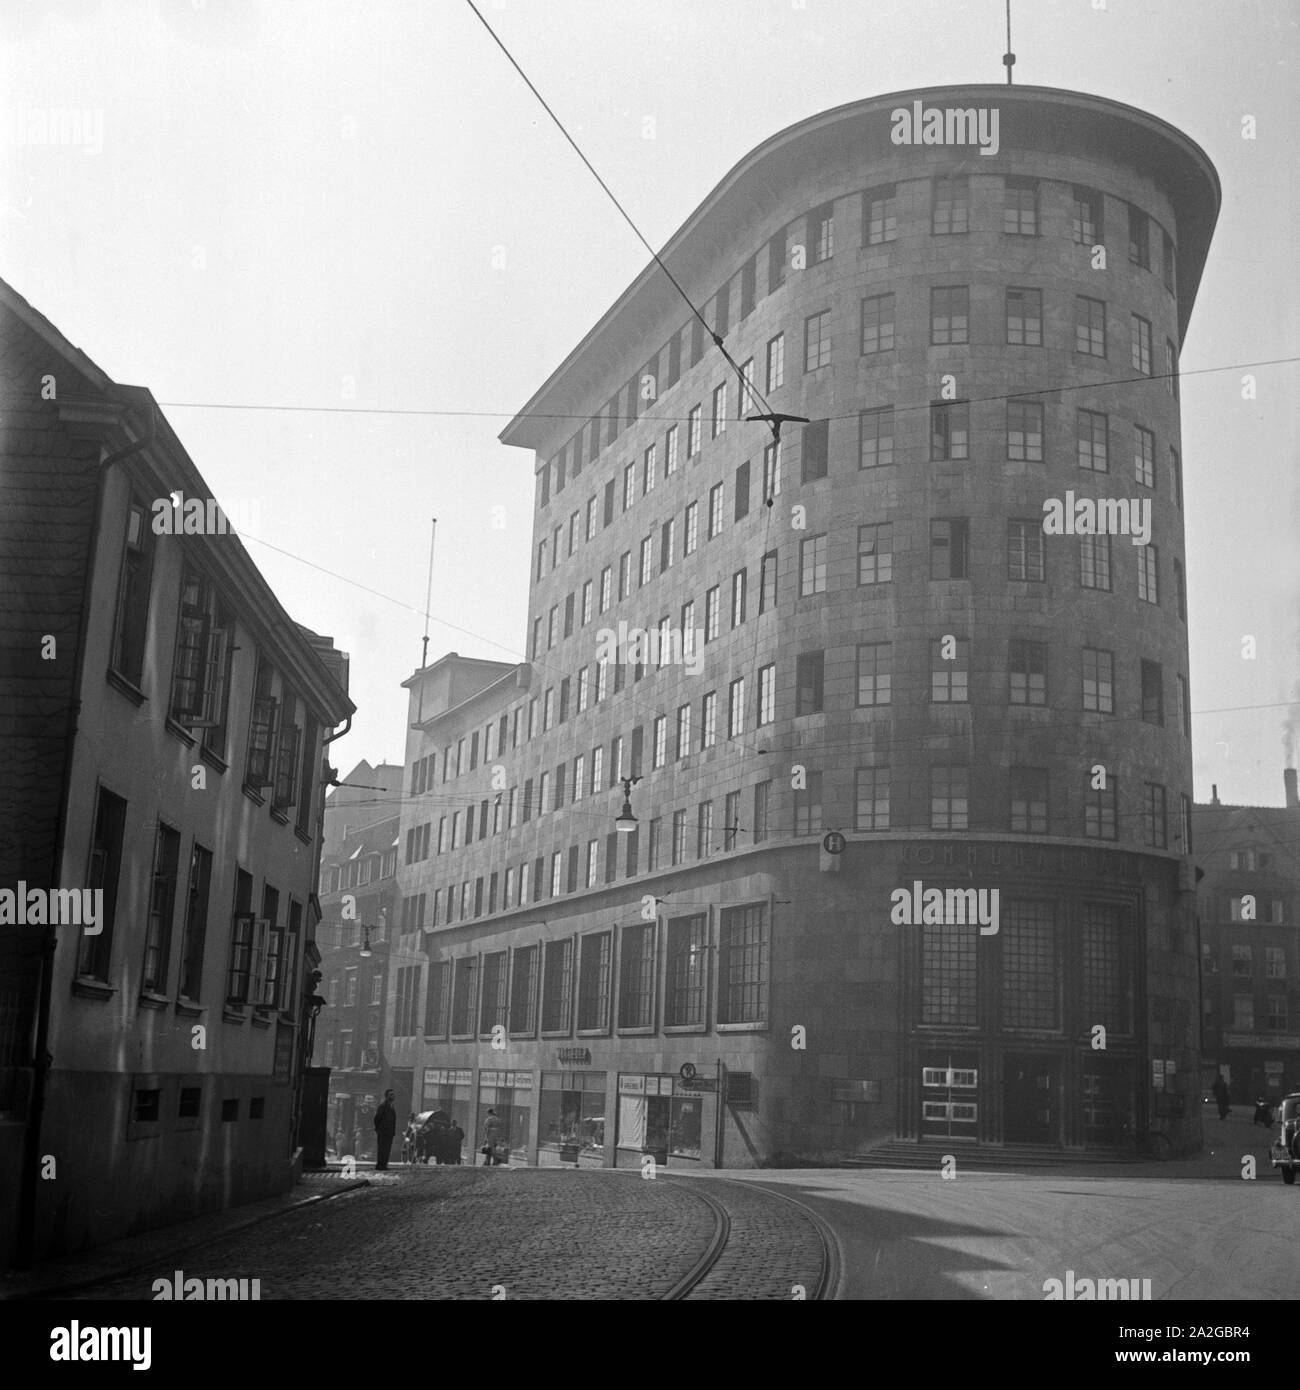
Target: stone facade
column 969, row 694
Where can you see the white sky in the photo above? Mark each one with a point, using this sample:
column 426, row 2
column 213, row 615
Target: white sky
column 291, row 196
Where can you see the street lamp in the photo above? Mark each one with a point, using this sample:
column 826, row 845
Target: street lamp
column 626, row 822
column 365, row 943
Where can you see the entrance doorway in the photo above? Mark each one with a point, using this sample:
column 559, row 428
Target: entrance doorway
column 1031, row 1099
column 950, row 1095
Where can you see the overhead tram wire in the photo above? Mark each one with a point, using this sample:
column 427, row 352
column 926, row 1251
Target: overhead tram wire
column 626, row 216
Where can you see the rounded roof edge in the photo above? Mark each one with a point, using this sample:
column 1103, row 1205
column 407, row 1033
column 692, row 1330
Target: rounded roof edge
column 1195, row 220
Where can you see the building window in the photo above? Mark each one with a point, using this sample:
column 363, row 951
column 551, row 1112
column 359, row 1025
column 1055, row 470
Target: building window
column 1144, row 456
column 871, row 798
column 875, row 673
column 767, row 582
column 815, row 452
column 762, row 798
column 742, row 491
column 821, row 233
column 104, row 871
column 557, row 986
column 1171, row 368
column 1025, row 431
column 1092, row 434
column 876, row 437
column 683, row 731
column 949, row 798
column 808, row 806
column 1154, row 832
column 694, row 430
column 1139, row 238
column 1141, row 345
column 1030, row 994
column 704, row 830
column 131, row 621
column 594, row 981
column 1098, row 681
column 1024, row 317
column 876, row 553
column 162, row 907
column 692, row 537
column 877, row 324
column 950, row 548
column 1029, row 800
column 1025, row 559
column 948, row 975
column 196, row 922
column 718, row 413
column 679, row 837
column 738, row 598
column 949, row 431
column 202, row 661
column 1184, row 709
column 810, row 670
column 670, row 452
column 771, row 471
column 949, row 315
column 637, row 972
column 817, row 340
column 264, row 722
column 624, row 575
column 1094, row 562
column 743, row 964
column 687, row 952
column 709, row 720
column 715, row 510
column 879, row 215
column 776, row 362
column 736, row 707
column 1106, row 969
column 812, row 566
column 1153, row 693
column 1275, row 962
column 1099, row 806
column 950, row 205
column 766, row 695
column 949, row 670
column 1020, row 207
column 712, row 611
column 1147, row 566
column 464, row 996
column 1090, row 326
column 1028, row 667
column 1086, row 224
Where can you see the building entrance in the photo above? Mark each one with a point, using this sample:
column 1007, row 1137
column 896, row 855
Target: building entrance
column 1031, row 1104
column 950, row 1095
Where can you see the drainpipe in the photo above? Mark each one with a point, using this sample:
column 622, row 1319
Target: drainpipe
column 42, row 1061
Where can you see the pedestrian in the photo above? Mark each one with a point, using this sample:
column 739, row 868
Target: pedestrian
column 1263, row 1114
column 455, row 1137
column 385, row 1128
column 491, row 1133
column 1220, row 1089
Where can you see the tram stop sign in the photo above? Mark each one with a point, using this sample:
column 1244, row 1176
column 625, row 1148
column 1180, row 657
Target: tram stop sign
column 834, row 842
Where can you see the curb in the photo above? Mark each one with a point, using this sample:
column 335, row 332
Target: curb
column 139, row 1266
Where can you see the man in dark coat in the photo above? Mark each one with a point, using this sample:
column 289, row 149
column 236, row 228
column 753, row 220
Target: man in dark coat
column 455, row 1138
column 385, row 1128
column 1220, row 1089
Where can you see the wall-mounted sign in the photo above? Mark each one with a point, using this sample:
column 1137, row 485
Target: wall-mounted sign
column 833, row 842
column 283, row 1064
column 687, row 1071
column 576, row 1055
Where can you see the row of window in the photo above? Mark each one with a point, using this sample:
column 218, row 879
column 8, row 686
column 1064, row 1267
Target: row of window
column 263, row 949
column 356, row 873
column 1029, row 811
column 1244, row 959
column 146, row 1106
column 949, row 421
column 655, row 975
column 950, row 214
column 280, row 755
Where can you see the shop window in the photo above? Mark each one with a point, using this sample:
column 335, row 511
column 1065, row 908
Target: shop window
column 571, row 1112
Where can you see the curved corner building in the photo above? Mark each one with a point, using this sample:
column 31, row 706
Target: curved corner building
column 945, row 618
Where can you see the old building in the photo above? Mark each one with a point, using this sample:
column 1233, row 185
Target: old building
column 357, row 897
column 1250, row 944
column 943, row 620
column 163, row 761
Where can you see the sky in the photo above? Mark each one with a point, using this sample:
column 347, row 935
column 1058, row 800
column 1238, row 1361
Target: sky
column 293, row 222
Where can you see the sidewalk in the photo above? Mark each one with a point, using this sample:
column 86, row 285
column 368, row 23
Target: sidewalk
column 153, row 1249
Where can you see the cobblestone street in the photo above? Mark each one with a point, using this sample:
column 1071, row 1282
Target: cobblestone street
column 476, row 1233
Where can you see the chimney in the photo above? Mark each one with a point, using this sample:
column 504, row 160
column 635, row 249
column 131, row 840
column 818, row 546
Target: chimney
column 1214, row 793
column 1288, row 778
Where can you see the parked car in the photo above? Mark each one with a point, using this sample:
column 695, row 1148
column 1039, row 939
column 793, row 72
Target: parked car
column 1284, row 1152
column 430, row 1127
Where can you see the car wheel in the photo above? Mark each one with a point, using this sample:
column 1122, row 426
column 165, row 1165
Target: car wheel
column 1288, row 1174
